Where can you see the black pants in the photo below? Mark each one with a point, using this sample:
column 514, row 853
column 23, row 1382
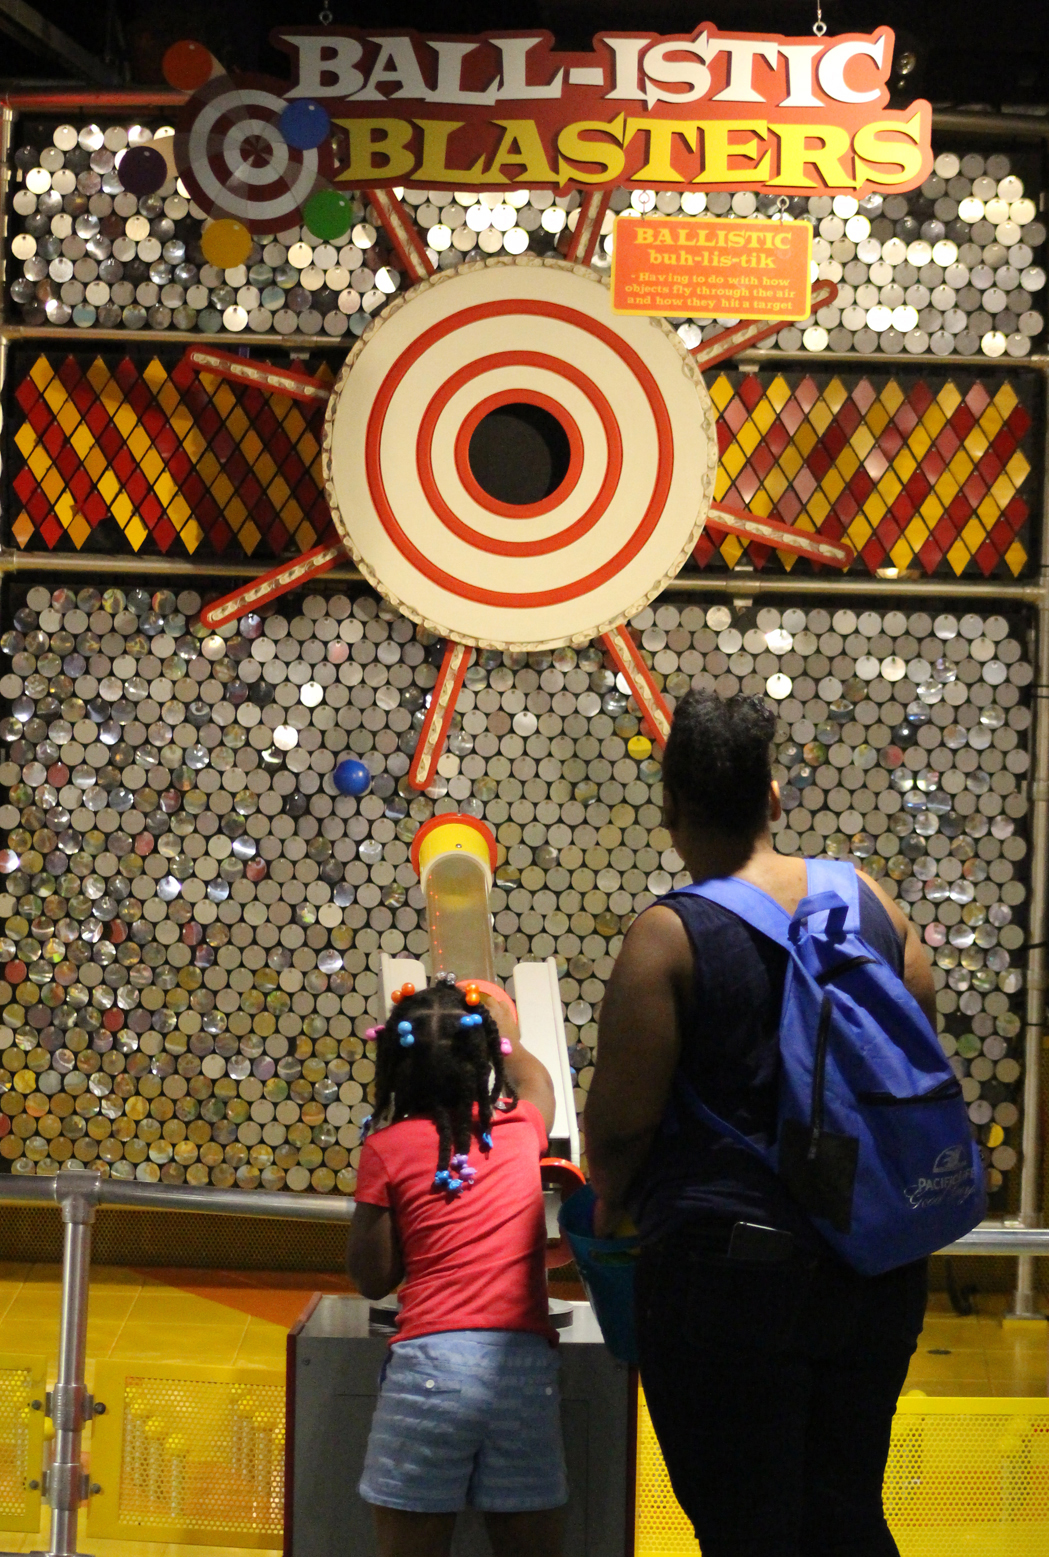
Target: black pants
column 772, row 1389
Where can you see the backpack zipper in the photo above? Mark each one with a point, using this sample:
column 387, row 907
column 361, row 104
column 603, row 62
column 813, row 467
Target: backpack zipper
column 819, row 1071
column 941, row 1094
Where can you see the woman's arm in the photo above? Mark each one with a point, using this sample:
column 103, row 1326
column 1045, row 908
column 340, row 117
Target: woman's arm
column 638, row 1045
column 917, row 967
column 373, row 1254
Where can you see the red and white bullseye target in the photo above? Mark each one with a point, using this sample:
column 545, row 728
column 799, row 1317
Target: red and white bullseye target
column 234, row 159
column 641, row 469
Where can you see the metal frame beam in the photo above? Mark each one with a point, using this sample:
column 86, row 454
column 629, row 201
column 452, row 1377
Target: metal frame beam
column 26, row 26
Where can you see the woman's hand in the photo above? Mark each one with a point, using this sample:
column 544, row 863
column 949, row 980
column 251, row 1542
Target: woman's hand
column 607, row 1218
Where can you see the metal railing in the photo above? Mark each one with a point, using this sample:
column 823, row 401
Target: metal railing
column 79, row 1194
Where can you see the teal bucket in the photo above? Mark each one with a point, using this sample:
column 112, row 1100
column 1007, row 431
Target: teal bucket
column 606, row 1267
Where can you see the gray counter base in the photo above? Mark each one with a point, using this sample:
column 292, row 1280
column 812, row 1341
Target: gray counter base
column 334, row 1359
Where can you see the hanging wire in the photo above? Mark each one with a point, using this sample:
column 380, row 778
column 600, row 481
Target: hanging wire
column 819, row 26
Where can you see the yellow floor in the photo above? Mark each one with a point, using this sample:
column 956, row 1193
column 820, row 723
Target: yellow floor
column 981, row 1354
column 243, row 1319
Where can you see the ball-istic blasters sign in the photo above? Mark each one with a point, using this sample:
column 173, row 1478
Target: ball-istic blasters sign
column 784, row 115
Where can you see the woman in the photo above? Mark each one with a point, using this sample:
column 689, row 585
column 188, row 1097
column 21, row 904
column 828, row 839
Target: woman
column 771, row 1369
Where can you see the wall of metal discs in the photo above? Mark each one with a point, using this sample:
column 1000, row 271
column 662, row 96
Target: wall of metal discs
column 191, row 916
column 955, row 267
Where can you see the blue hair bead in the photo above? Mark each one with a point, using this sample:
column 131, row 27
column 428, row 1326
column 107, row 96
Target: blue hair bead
column 486, row 1140
column 407, row 1036
column 442, row 1179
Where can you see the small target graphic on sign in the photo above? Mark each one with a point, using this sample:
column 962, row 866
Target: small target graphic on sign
column 234, row 158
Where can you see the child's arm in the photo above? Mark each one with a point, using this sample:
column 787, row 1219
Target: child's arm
column 528, row 1076
column 373, row 1254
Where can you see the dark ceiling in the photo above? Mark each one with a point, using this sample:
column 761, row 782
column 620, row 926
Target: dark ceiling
column 992, row 52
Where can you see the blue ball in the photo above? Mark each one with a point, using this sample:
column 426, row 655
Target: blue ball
column 304, row 124
column 352, row 777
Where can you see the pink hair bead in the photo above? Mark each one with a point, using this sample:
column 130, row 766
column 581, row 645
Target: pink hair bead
column 505, row 1046
column 372, row 1034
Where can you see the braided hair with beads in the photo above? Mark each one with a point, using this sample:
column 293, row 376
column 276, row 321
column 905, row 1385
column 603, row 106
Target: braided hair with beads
column 439, row 1058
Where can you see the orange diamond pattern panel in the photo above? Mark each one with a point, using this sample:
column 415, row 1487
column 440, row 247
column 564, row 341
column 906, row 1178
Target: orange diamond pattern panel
column 179, row 462
column 924, row 475
column 917, row 475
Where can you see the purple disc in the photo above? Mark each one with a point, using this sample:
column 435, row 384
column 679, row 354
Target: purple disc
column 143, row 171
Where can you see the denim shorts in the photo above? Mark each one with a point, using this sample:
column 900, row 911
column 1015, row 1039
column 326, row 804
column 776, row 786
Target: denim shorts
column 468, row 1417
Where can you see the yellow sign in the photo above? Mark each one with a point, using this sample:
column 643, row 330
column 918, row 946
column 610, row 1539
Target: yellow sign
column 711, row 269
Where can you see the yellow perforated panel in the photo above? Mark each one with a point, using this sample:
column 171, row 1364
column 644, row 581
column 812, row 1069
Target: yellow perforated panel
column 21, row 1439
column 189, row 1455
column 661, row 1527
column 964, row 1475
column 968, row 1475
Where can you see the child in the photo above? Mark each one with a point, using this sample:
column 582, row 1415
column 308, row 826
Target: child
column 449, row 1201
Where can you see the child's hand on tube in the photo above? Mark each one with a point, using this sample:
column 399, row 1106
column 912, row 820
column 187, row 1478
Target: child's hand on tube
column 528, row 1076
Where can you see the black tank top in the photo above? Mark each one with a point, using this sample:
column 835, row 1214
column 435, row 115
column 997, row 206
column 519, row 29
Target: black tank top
column 730, row 1054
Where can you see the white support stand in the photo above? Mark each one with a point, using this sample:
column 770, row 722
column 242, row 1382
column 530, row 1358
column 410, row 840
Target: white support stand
column 538, row 999
column 395, row 971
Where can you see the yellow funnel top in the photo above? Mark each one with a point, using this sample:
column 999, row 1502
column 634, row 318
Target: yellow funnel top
column 450, row 833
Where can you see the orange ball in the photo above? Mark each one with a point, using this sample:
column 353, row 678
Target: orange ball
column 395, row 997
column 406, row 990
column 187, row 65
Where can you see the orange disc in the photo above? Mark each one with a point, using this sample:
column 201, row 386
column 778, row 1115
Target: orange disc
column 187, row 65
column 226, row 243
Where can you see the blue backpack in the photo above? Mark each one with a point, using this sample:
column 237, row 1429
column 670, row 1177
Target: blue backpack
column 873, row 1138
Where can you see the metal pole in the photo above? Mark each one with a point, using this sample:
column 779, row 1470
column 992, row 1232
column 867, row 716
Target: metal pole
column 750, row 584
column 174, row 1197
column 70, row 1405
column 7, row 119
column 745, row 585
column 271, row 341
column 1025, row 1304
column 90, row 565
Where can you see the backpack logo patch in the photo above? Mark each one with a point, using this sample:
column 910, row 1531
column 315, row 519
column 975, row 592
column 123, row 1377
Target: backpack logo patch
column 952, row 1179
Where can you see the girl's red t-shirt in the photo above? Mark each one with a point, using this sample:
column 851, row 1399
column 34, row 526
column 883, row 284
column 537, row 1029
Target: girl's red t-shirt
column 475, row 1260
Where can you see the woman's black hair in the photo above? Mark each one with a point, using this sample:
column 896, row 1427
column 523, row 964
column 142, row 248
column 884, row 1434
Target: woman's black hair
column 717, row 766
column 449, row 1067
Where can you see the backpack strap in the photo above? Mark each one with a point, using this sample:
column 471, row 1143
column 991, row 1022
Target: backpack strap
column 686, row 1092
column 749, row 902
column 836, row 878
column 833, row 890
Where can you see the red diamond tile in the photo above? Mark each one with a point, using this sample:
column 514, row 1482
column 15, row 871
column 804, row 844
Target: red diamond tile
column 920, row 396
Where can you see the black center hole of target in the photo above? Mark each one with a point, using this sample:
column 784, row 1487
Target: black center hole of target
column 519, row 454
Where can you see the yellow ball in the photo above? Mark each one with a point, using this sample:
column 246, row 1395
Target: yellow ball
column 639, row 747
column 226, row 243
